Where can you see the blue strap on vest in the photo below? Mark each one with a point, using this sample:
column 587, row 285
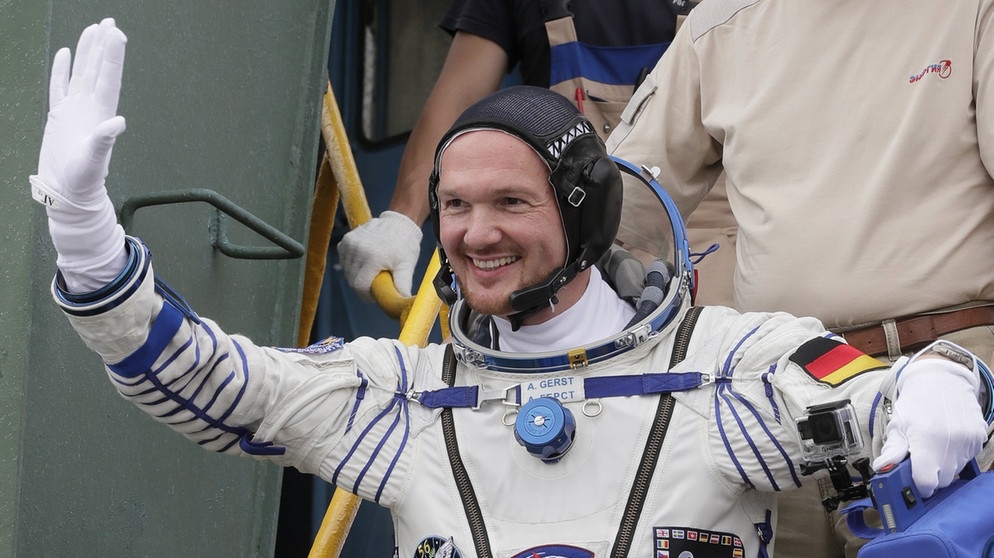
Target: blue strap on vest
column 594, row 388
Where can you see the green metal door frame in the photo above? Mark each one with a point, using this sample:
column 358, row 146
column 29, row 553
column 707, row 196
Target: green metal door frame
column 218, row 96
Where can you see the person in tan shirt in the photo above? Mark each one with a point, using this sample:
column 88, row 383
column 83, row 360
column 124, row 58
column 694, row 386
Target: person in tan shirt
column 857, row 140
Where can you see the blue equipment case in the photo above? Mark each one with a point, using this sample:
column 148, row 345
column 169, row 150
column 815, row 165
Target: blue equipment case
column 956, row 522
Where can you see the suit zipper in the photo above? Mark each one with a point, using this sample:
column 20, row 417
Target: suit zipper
column 650, row 456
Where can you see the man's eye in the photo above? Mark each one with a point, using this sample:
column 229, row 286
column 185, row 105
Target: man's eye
column 454, row 203
column 512, row 201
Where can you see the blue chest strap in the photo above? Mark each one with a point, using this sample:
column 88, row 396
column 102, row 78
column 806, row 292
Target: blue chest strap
column 593, row 388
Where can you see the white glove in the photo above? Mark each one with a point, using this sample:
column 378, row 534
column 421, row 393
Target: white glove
column 75, row 156
column 937, row 418
column 390, row 242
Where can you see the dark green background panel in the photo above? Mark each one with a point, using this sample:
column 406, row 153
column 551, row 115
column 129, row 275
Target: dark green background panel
column 217, row 95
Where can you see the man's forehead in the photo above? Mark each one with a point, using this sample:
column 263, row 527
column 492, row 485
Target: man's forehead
column 491, row 136
column 489, row 174
column 473, row 192
column 485, row 147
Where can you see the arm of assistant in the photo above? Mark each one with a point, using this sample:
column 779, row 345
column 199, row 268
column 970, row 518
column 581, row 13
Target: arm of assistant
column 662, row 126
column 473, row 68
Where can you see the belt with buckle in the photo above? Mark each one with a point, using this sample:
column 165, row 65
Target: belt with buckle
column 914, row 332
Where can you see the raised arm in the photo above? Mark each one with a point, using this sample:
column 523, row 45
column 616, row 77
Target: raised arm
column 82, row 127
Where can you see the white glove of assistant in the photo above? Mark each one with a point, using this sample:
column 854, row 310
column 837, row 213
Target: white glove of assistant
column 936, row 418
column 75, row 157
column 390, row 242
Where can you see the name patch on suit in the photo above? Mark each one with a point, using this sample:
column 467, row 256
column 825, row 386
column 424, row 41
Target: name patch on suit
column 833, row 362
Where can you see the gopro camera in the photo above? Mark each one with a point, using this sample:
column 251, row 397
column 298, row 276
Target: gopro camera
column 829, row 430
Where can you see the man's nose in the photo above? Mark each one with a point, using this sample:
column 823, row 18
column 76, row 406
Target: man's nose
column 483, row 228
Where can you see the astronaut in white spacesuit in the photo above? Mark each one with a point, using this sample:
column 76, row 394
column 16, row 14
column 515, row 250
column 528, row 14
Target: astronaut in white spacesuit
column 576, row 412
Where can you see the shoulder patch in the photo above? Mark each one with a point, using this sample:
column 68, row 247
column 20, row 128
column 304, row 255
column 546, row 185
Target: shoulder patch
column 329, row 345
column 832, row 362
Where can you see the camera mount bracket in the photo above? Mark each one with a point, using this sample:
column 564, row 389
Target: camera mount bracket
column 842, row 481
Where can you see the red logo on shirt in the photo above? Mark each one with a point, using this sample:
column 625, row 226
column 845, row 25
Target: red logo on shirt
column 943, row 69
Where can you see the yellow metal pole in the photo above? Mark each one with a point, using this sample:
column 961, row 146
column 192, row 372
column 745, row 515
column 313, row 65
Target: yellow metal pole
column 341, row 511
column 323, row 209
column 417, row 314
column 354, row 198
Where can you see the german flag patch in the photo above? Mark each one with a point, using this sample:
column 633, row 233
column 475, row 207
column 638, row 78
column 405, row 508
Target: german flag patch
column 833, row 362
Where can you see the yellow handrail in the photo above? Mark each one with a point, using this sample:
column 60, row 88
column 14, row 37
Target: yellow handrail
column 339, row 177
column 354, row 198
column 324, row 205
column 342, row 509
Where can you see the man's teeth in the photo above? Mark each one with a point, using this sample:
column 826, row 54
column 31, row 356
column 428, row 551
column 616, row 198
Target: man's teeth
column 494, row 264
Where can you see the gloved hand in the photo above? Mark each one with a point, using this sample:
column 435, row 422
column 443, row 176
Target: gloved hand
column 75, row 156
column 936, row 418
column 390, row 242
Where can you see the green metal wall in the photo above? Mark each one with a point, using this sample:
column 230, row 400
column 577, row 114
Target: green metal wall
column 217, row 95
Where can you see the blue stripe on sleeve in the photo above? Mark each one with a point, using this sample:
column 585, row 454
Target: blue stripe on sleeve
column 776, row 443
column 399, row 402
column 359, row 396
column 396, row 457
column 728, row 446
column 376, row 452
column 162, row 332
column 748, row 438
column 358, row 442
column 873, row 412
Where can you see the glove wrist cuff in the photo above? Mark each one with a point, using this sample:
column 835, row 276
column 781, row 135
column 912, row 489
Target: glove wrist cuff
column 53, row 200
column 949, row 351
column 406, row 223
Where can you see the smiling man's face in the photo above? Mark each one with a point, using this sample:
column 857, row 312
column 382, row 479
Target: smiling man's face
column 499, row 222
